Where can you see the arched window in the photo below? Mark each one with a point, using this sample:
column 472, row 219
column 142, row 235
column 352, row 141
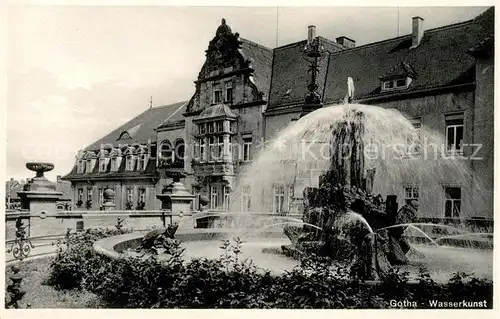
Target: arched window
column 166, row 152
column 179, row 154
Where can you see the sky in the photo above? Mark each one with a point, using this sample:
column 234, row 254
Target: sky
column 74, row 73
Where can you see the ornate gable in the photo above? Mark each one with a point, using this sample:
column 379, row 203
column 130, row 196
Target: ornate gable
column 223, row 51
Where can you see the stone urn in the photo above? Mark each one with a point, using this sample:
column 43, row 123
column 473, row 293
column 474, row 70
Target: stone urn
column 39, row 196
column 109, row 199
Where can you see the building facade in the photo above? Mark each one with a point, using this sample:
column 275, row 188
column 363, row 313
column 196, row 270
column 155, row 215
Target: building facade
column 245, row 93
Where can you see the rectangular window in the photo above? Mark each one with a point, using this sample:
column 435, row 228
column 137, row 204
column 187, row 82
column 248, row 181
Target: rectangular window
column 80, row 194
column 411, row 193
column 101, row 195
column 247, row 146
column 114, row 164
column 400, row 83
column 102, row 165
column 203, row 149
column 202, row 128
column 279, row 198
column 80, row 167
column 217, row 98
column 453, row 197
column 130, row 195
column 455, row 132
column 220, row 126
column 141, row 195
column 388, row 85
column 213, row 197
column 196, row 149
column 227, row 197
column 220, row 148
column 229, row 91
column 211, row 127
column 89, row 194
column 89, row 166
column 245, row 199
column 129, row 166
column 211, row 148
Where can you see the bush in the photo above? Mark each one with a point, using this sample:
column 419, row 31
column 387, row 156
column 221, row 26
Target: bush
column 230, row 282
column 79, row 263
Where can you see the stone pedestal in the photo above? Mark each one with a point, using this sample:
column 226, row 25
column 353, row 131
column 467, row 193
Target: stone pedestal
column 109, row 199
column 39, row 195
column 176, row 198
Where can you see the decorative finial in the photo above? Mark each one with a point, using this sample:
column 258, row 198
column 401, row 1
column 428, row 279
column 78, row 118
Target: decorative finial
column 150, row 101
column 223, row 21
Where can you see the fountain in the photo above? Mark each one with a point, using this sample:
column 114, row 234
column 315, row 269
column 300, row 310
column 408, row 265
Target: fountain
column 338, row 185
column 324, row 157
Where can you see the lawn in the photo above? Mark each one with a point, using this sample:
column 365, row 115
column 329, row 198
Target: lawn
column 40, row 295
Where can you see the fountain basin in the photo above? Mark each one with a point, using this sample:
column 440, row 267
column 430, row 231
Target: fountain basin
column 265, row 251
column 113, row 247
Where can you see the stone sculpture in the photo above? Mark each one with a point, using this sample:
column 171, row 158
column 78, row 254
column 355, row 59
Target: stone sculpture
column 352, row 222
column 150, row 238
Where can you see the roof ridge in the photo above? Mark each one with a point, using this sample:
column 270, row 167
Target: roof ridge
column 256, row 44
column 173, row 113
column 167, row 105
column 441, row 28
column 289, row 45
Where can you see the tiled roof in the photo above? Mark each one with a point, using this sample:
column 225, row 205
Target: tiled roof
column 291, row 72
column 175, row 116
column 219, row 110
column 262, row 59
column 440, row 60
column 141, row 128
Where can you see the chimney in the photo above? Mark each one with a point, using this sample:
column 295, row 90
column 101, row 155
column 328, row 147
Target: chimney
column 417, row 32
column 346, row 42
column 311, row 33
column 58, row 178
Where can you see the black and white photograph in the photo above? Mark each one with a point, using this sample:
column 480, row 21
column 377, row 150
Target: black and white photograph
column 248, row 157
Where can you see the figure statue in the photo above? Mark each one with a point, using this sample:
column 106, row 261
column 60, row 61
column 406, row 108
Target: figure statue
column 14, row 289
column 150, row 238
column 351, row 218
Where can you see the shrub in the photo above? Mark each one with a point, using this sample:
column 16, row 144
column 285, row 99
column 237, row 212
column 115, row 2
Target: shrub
column 79, row 262
column 157, row 281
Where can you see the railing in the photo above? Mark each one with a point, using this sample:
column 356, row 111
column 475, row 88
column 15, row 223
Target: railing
column 23, row 244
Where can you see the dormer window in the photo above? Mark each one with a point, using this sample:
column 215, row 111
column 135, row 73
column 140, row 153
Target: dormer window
column 388, row 85
column 124, row 136
column 129, row 164
column 80, row 167
column 141, row 164
column 114, row 164
column 102, row 165
column 399, row 77
column 89, row 166
column 397, row 84
column 217, row 98
column 129, row 133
